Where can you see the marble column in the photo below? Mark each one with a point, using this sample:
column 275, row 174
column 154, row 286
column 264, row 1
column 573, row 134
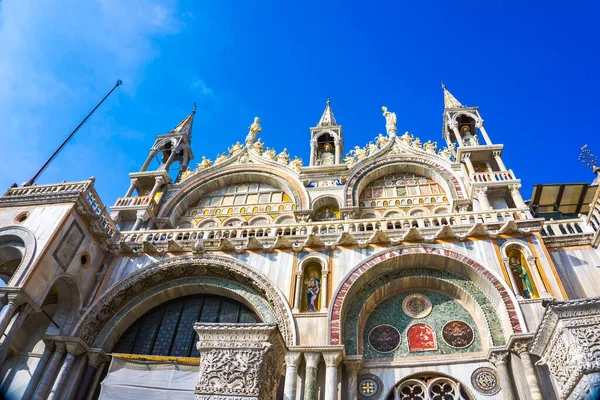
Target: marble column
column 298, row 293
column 148, row 160
column 313, row 144
column 310, row 378
column 141, row 217
column 457, row 135
column 134, row 183
column 521, row 348
column 39, row 370
column 467, row 160
column 499, row 161
column 338, row 152
column 14, row 301
column 484, row 202
column 499, row 359
column 158, row 182
column 73, row 349
column 292, row 360
column 487, row 139
column 332, row 360
column 50, row 372
column 515, row 192
column 352, row 370
column 22, row 314
column 324, row 287
column 96, row 381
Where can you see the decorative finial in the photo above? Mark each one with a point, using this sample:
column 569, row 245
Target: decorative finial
column 587, row 158
column 328, row 101
column 443, row 86
column 194, row 110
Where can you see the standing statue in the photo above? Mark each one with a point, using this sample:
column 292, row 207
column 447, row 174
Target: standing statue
column 515, row 264
column 205, row 163
column 296, row 164
column 254, row 129
column 390, row 121
column 407, row 138
column 359, row 153
column 269, row 154
column 468, row 138
column 430, row 147
column 283, row 157
column 313, row 288
column 417, row 143
column 235, row 148
column 258, row 147
column 445, row 153
column 372, row 148
column 221, row 158
column 381, row 141
column 327, row 157
column 350, row 160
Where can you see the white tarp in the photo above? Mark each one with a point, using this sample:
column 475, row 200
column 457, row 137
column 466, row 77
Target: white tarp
column 150, row 380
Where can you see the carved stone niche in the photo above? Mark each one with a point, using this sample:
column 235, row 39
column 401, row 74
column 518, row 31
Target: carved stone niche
column 568, row 342
column 239, row 361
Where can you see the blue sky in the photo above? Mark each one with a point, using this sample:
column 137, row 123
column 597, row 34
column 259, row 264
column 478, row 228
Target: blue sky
column 531, row 67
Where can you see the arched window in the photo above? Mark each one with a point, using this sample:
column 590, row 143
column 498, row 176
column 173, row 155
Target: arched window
column 429, row 387
column 10, row 258
column 168, row 329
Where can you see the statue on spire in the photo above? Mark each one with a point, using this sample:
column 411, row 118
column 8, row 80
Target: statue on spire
column 390, row 122
column 254, row 129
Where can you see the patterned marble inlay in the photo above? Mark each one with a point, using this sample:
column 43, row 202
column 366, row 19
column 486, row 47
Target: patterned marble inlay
column 416, row 306
column 384, row 338
column 369, row 387
column 458, row 334
column 444, row 309
column 484, row 380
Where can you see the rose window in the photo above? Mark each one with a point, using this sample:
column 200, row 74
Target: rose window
column 429, row 388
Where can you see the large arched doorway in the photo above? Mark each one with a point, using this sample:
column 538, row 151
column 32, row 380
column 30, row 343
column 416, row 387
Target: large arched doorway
column 167, row 329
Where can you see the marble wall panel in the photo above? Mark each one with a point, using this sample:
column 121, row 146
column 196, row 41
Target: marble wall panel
column 312, row 331
column 579, row 271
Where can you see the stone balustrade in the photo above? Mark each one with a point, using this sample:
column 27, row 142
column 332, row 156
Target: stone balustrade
column 493, row 176
column 568, row 232
column 332, row 233
column 134, row 201
column 82, row 192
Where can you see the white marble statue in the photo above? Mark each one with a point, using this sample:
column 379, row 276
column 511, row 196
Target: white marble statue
column 254, row 129
column 359, row 153
column 269, row 154
column 205, row 163
column 407, row 138
column 235, row 148
column 296, row 164
column 430, row 147
column 221, row 158
column 283, row 157
column 327, row 157
column 390, row 121
column 372, row 148
column 258, row 147
column 381, row 141
column 349, row 160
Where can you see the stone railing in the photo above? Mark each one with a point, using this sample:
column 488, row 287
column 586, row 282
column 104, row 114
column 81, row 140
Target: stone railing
column 140, row 201
column 332, row 233
column 43, row 194
column 82, row 193
column 493, row 176
column 567, row 232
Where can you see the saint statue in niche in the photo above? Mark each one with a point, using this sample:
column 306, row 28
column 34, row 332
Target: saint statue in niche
column 469, row 139
column 313, row 288
column 521, row 274
column 327, row 157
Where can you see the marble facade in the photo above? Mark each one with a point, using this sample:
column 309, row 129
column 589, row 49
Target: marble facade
column 381, row 273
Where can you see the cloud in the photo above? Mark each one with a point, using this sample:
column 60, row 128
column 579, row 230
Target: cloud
column 59, row 57
column 198, row 85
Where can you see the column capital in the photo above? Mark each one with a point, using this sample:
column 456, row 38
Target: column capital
column 480, row 191
column 95, row 358
column 353, row 366
column 497, row 153
column 312, row 359
column 499, row 357
column 74, row 348
column 159, row 180
column 332, row 358
column 142, row 214
column 292, row 358
column 515, row 187
column 60, row 347
column 520, row 346
column 16, row 299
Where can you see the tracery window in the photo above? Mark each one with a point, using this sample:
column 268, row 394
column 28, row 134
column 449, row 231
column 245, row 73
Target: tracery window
column 402, row 191
column 429, row 388
column 245, row 200
column 167, row 330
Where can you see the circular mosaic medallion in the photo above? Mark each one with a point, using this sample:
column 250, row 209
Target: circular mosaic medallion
column 369, row 387
column 458, row 334
column 485, row 381
column 384, row 338
column 416, row 306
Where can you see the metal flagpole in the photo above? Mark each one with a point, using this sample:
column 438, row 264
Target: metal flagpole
column 41, row 170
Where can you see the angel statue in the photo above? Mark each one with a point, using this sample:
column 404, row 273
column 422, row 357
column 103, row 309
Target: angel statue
column 205, row 163
column 283, row 157
column 235, row 148
column 296, row 164
column 254, row 129
column 381, row 141
column 359, row 153
column 258, row 147
column 350, row 160
column 372, row 148
column 221, row 158
column 390, row 121
column 269, row 154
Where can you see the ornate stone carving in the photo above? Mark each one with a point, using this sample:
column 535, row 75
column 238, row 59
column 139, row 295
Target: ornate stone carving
column 417, row 306
column 332, row 358
column 238, row 360
column 484, row 380
column 499, row 357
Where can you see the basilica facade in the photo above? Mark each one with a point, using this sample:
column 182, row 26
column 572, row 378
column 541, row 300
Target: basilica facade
column 399, row 270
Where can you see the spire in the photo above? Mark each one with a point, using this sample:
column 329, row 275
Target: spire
column 185, row 126
column 449, row 100
column 327, row 119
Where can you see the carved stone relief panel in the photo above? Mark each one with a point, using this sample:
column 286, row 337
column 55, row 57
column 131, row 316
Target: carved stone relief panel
column 66, row 249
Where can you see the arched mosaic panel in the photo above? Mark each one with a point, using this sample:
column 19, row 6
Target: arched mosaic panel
column 403, row 191
column 242, row 201
column 419, row 336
